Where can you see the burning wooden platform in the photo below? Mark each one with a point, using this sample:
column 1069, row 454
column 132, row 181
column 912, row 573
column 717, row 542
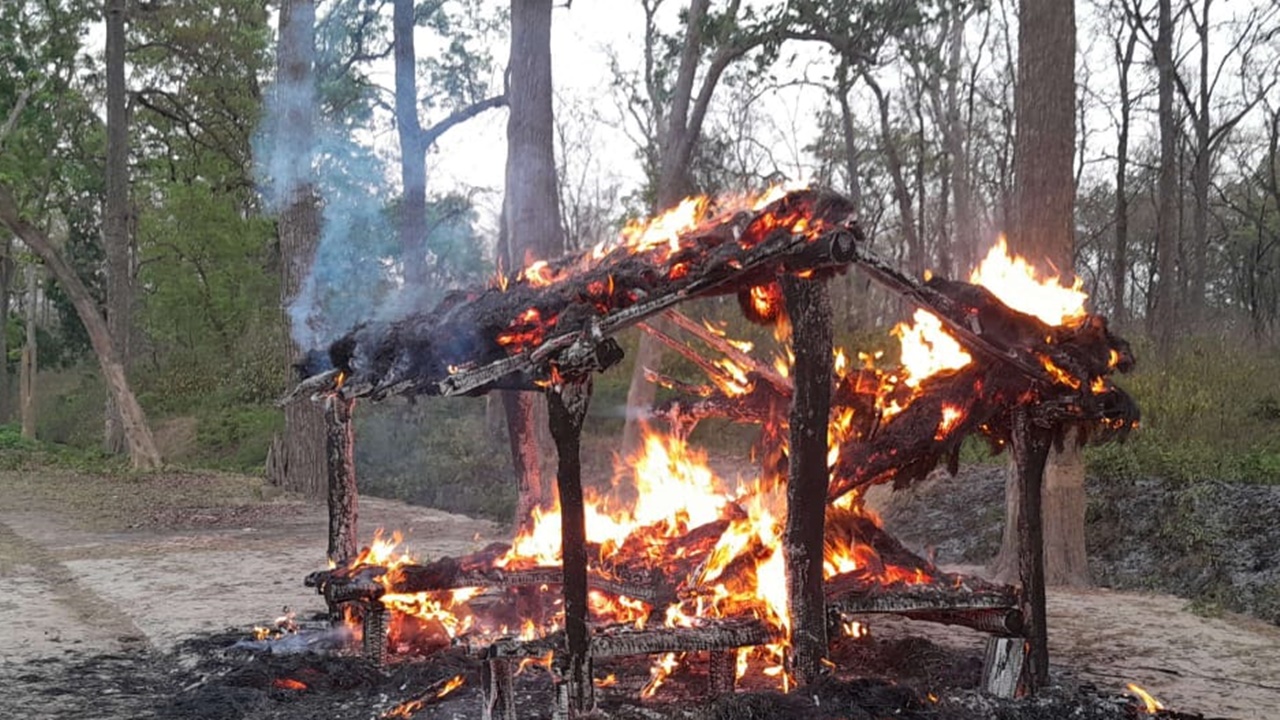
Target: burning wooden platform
column 775, row 566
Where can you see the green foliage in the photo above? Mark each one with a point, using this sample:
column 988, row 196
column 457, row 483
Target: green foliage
column 1204, row 416
column 235, row 437
column 436, row 453
column 17, row 453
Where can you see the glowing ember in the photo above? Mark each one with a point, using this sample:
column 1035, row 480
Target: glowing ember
column 1151, row 705
column 951, row 416
column 288, row 684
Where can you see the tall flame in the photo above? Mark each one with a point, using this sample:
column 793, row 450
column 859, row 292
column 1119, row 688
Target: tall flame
column 1019, row 285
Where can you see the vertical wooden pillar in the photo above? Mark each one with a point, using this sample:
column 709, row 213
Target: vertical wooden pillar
column 809, row 308
column 496, row 679
column 339, row 435
column 567, row 408
column 1031, row 445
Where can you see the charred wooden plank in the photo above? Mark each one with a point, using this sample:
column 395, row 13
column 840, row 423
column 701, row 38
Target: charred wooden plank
column 622, row 640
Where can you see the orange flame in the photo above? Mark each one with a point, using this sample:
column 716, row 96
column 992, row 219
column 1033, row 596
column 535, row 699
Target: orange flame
column 1151, row 705
column 1018, row 284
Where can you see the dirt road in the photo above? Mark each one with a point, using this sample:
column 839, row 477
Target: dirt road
column 119, row 565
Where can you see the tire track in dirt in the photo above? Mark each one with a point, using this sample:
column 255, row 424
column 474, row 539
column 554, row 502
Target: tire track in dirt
column 47, row 610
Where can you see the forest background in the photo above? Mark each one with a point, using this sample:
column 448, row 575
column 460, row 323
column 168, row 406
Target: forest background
column 157, row 193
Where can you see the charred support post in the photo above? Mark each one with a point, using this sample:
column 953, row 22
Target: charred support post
column 809, row 308
column 1031, row 444
column 496, row 678
column 722, row 672
column 340, row 446
column 373, row 640
column 567, row 408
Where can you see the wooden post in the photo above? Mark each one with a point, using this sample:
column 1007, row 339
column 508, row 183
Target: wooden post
column 809, row 308
column 343, row 498
column 373, row 640
column 567, row 408
column 496, row 692
column 722, row 672
column 1031, row 445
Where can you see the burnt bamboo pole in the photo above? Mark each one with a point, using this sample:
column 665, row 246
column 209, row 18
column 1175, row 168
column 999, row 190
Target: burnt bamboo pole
column 567, row 408
column 809, row 308
column 339, row 438
column 1031, row 445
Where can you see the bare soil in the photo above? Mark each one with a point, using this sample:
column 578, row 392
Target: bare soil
column 118, row 588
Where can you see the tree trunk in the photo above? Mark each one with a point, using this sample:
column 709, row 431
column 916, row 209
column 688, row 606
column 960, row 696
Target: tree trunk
column 413, row 159
column 1043, row 231
column 298, row 458
column 28, row 370
column 956, row 136
column 115, row 225
column 1163, row 311
column 531, row 211
column 142, row 448
column 676, row 142
column 1199, row 251
column 1120, row 255
column 901, row 192
column 6, row 284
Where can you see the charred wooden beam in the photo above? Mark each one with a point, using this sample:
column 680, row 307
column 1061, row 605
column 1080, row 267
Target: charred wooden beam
column 855, row 593
column 567, row 408
column 996, row 621
column 343, row 496
column 809, row 308
column 1031, row 445
column 623, row 640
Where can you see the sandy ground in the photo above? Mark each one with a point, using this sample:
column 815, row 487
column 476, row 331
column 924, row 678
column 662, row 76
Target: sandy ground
column 79, row 578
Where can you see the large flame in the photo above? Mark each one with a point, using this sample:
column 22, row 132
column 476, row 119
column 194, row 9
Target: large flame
column 1019, row 285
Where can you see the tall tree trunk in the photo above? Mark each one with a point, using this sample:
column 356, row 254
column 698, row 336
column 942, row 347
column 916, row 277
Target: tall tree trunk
column 1043, row 231
column 956, row 136
column 675, row 140
column 413, row 158
column 531, row 211
column 116, row 215
column 6, row 284
column 298, row 459
column 142, row 448
column 1163, row 311
column 29, row 360
column 1199, row 250
column 901, row 192
column 1120, row 254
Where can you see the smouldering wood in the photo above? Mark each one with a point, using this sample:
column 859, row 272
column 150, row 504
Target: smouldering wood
column 623, row 640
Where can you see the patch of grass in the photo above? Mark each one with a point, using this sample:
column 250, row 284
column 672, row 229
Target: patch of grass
column 1204, row 416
